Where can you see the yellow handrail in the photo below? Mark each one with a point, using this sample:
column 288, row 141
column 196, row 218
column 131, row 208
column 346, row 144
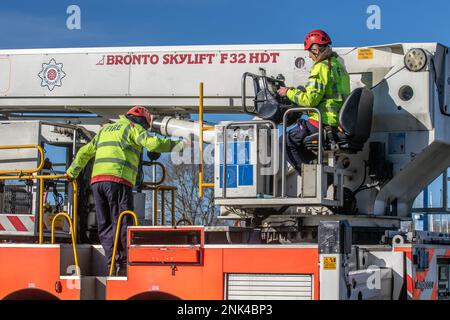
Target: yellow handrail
column 74, row 245
column 202, row 129
column 75, row 208
column 116, row 239
column 41, row 179
column 25, row 146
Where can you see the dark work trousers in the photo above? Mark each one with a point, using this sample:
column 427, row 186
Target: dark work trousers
column 111, row 199
column 296, row 152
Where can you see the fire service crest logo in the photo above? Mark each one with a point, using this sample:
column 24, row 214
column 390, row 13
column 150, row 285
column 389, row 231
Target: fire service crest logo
column 51, row 74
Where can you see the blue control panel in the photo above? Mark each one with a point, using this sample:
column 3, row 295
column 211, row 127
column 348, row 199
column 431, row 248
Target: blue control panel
column 239, row 166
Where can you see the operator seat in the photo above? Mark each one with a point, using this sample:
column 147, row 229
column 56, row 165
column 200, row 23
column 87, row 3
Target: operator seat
column 355, row 119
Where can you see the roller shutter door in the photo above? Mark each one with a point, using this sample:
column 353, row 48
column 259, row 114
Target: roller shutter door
column 268, row 286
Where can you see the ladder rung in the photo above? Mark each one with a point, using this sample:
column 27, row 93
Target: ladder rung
column 208, row 184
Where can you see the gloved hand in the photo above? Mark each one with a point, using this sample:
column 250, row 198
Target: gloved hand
column 153, row 156
column 69, row 177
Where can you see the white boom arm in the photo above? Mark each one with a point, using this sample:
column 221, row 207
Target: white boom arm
column 414, row 124
column 106, row 81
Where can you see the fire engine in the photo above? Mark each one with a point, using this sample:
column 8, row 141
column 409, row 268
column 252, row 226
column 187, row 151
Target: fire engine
column 341, row 230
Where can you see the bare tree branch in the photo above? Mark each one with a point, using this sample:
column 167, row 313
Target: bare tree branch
column 188, row 204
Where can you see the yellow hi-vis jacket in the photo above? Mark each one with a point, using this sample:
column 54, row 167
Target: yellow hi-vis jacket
column 327, row 88
column 117, row 149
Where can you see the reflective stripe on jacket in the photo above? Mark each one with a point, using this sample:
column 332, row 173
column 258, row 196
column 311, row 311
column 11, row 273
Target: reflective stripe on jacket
column 327, row 88
column 117, row 149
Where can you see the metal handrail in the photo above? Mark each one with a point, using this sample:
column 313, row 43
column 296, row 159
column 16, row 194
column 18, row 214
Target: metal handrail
column 25, row 146
column 116, row 239
column 283, row 155
column 201, row 129
column 155, row 187
column 74, row 244
column 163, row 171
column 155, row 190
column 234, row 124
column 244, row 90
column 41, row 179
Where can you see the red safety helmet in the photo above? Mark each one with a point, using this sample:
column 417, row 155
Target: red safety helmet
column 141, row 112
column 316, row 36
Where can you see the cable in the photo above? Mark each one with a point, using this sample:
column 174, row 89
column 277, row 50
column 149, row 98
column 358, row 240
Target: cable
column 434, row 71
column 364, row 178
column 366, row 187
column 59, row 199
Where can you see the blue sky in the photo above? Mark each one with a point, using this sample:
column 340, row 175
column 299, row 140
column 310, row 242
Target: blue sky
column 37, row 24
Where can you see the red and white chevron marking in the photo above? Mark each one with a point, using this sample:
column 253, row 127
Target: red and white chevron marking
column 409, row 276
column 16, row 223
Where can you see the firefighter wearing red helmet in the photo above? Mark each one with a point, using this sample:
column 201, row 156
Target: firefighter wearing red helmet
column 116, row 151
column 327, row 88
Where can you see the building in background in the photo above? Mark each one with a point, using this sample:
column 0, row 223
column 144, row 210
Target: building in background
column 431, row 209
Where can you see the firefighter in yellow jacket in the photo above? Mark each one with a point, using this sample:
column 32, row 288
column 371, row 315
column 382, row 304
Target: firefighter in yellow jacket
column 117, row 151
column 327, row 88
